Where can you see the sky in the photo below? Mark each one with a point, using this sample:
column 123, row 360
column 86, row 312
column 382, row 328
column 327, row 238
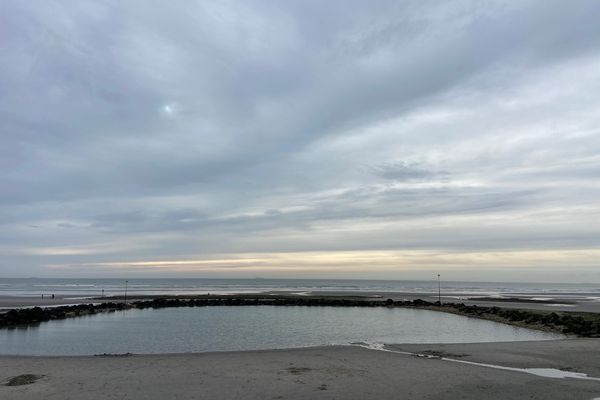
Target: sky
column 300, row 139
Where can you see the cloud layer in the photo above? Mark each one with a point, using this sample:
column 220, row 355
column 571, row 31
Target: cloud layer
column 160, row 133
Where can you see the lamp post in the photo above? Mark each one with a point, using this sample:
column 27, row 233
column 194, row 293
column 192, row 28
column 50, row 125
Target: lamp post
column 126, row 282
column 439, row 291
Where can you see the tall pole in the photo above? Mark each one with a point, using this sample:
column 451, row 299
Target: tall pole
column 126, row 282
column 439, row 291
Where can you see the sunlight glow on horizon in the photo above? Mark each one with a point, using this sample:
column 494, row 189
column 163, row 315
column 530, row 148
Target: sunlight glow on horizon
column 356, row 261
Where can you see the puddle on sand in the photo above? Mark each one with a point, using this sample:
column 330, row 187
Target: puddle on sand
column 544, row 372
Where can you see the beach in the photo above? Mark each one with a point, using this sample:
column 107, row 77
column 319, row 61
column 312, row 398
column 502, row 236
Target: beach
column 334, row 372
column 360, row 371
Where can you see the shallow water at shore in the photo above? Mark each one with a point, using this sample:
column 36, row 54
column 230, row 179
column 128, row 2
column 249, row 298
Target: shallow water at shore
column 223, row 328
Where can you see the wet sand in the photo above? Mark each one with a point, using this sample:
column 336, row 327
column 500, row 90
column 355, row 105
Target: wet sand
column 570, row 301
column 8, row 302
column 579, row 305
column 336, row 372
column 577, row 355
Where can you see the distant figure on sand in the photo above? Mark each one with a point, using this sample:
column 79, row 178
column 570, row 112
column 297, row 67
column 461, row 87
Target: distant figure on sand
column 53, row 295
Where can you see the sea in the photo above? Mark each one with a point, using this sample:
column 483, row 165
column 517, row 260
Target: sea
column 81, row 288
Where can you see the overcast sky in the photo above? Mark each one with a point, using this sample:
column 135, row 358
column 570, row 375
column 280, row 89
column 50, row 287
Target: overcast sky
column 344, row 139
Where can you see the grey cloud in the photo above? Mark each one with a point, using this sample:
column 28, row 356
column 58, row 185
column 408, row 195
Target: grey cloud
column 276, row 108
column 357, row 204
column 407, row 171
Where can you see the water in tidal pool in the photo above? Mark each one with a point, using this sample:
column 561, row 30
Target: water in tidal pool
column 222, row 328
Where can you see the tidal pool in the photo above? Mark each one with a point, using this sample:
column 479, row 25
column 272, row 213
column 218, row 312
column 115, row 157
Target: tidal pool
column 224, row 328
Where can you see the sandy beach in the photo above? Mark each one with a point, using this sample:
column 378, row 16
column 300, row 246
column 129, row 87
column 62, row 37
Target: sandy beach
column 336, row 372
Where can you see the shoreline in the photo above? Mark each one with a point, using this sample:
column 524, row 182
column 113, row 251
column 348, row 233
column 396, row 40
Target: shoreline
column 415, row 349
column 349, row 372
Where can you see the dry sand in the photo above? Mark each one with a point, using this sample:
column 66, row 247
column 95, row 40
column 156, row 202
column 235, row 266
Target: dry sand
column 315, row 373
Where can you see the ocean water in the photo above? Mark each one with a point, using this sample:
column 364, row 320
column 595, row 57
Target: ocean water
column 108, row 287
column 223, row 328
